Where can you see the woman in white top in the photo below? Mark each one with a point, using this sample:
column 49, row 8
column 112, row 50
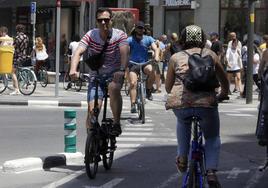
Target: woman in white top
column 40, row 53
column 256, row 64
column 72, row 47
column 234, row 63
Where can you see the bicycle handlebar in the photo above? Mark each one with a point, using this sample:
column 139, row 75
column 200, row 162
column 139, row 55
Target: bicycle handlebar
column 140, row 63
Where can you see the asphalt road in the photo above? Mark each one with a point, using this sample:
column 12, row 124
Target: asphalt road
column 145, row 155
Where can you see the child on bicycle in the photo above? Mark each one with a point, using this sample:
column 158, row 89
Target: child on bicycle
column 186, row 103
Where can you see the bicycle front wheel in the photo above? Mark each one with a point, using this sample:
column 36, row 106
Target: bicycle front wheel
column 141, row 109
column 194, row 180
column 78, row 85
column 27, row 81
column 3, row 83
column 92, row 157
column 108, row 156
column 43, row 77
column 67, row 81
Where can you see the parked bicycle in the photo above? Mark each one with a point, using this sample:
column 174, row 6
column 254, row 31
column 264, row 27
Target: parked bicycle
column 195, row 175
column 42, row 76
column 77, row 84
column 26, row 80
column 100, row 144
column 141, row 90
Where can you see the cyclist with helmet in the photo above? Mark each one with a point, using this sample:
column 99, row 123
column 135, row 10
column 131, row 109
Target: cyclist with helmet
column 202, row 104
column 114, row 64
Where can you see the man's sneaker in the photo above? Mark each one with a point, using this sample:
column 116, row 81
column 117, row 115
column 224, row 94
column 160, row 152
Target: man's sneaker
column 133, row 108
column 149, row 95
column 212, row 179
column 116, row 130
column 16, row 92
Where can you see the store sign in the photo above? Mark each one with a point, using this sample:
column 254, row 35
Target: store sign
column 178, row 2
column 33, row 12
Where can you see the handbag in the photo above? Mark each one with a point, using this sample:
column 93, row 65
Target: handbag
column 95, row 62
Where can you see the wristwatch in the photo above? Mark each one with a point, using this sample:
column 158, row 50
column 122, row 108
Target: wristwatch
column 123, row 69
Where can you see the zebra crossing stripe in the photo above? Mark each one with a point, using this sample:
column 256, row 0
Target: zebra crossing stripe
column 137, row 129
column 140, row 125
column 131, row 139
column 136, row 134
column 123, row 145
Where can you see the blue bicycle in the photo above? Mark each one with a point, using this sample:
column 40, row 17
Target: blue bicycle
column 195, row 175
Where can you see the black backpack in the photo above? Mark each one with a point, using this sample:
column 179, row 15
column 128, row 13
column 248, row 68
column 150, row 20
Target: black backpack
column 201, row 75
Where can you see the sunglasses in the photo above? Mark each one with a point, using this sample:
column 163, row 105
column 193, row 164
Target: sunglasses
column 140, row 27
column 106, row 20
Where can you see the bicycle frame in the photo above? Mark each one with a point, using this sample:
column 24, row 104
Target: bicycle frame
column 197, row 155
column 100, row 135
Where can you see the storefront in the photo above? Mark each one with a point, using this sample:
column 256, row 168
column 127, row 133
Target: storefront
column 234, row 17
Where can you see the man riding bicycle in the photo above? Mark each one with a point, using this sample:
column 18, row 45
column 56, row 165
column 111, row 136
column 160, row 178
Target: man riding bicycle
column 114, row 64
column 203, row 104
column 139, row 45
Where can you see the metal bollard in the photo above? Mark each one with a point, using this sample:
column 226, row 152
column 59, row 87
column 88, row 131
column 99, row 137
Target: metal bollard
column 70, row 131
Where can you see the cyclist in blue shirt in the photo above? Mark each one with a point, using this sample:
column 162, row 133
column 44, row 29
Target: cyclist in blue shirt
column 139, row 45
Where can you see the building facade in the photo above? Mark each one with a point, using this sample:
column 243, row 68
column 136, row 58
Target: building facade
column 222, row 16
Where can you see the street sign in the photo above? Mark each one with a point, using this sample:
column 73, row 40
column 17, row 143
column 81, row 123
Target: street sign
column 33, row 7
column 33, row 12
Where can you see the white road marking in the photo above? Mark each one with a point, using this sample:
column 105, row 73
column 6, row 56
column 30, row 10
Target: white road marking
column 137, row 129
column 136, row 134
column 171, row 179
column 241, row 115
column 232, row 174
column 140, row 125
column 127, row 145
column 228, row 111
column 131, row 139
column 254, row 180
column 65, row 179
column 246, row 109
column 109, row 184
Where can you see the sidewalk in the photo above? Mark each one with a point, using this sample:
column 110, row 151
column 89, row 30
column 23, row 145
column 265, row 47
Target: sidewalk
column 71, row 98
column 46, row 96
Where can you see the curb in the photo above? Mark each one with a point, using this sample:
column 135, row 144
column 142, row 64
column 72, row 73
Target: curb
column 52, row 103
column 41, row 163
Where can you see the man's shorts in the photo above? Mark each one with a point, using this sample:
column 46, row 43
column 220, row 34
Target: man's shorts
column 101, row 87
column 136, row 68
column 158, row 67
column 104, row 80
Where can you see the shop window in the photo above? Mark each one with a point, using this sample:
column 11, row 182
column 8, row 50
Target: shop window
column 176, row 20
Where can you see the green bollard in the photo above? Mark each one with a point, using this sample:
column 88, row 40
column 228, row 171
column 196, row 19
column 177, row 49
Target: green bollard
column 70, row 131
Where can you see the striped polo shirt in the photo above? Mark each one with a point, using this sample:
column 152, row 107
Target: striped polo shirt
column 94, row 43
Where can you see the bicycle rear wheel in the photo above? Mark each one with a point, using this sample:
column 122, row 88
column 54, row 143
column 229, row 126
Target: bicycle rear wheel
column 92, row 157
column 43, row 77
column 67, row 84
column 140, row 104
column 3, row 83
column 108, row 157
column 27, row 81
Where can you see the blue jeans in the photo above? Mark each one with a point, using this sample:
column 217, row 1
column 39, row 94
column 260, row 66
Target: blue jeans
column 209, row 124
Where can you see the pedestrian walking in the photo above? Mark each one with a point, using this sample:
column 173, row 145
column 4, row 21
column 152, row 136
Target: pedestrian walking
column 21, row 44
column 234, row 62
